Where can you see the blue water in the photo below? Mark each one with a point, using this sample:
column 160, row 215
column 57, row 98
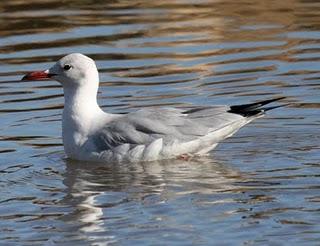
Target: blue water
column 260, row 187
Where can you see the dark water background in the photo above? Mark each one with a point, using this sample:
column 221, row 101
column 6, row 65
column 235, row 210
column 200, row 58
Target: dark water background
column 260, row 187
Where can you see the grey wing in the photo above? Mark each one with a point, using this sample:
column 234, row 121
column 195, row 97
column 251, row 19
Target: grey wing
column 171, row 124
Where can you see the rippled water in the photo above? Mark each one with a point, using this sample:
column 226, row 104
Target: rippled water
column 260, row 187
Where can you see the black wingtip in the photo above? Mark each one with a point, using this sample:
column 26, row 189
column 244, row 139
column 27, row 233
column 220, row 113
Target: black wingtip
column 257, row 108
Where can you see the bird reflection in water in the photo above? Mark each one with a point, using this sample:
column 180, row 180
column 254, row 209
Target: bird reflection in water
column 94, row 189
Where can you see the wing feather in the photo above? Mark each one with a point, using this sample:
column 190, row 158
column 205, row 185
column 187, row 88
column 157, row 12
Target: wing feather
column 170, row 124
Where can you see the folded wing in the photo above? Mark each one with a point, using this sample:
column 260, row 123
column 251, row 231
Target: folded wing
column 170, row 124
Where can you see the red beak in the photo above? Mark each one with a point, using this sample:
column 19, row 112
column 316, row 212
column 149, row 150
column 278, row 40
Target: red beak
column 38, row 75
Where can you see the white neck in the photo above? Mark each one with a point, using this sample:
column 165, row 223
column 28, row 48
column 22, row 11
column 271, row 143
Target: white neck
column 80, row 102
column 81, row 115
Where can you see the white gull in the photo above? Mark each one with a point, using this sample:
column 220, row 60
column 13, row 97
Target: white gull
column 148, row 134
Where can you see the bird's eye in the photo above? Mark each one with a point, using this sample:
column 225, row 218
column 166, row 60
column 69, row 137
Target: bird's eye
column 67, row 67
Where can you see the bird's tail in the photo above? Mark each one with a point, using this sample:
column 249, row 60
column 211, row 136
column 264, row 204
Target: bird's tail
column 253, row 109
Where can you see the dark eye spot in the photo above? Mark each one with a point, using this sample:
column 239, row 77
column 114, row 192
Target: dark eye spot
column 67, row 67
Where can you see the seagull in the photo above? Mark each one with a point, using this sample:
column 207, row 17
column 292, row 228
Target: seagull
column 148, row 134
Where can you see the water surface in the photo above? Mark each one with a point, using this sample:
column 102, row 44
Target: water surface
column 260, row 187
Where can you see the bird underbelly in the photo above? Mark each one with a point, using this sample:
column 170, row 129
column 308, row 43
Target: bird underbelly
column 129, row 152
column 121, row 153
column 77, row 146
column 156, row 150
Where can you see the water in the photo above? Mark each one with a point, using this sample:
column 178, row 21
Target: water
column 260, row 187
